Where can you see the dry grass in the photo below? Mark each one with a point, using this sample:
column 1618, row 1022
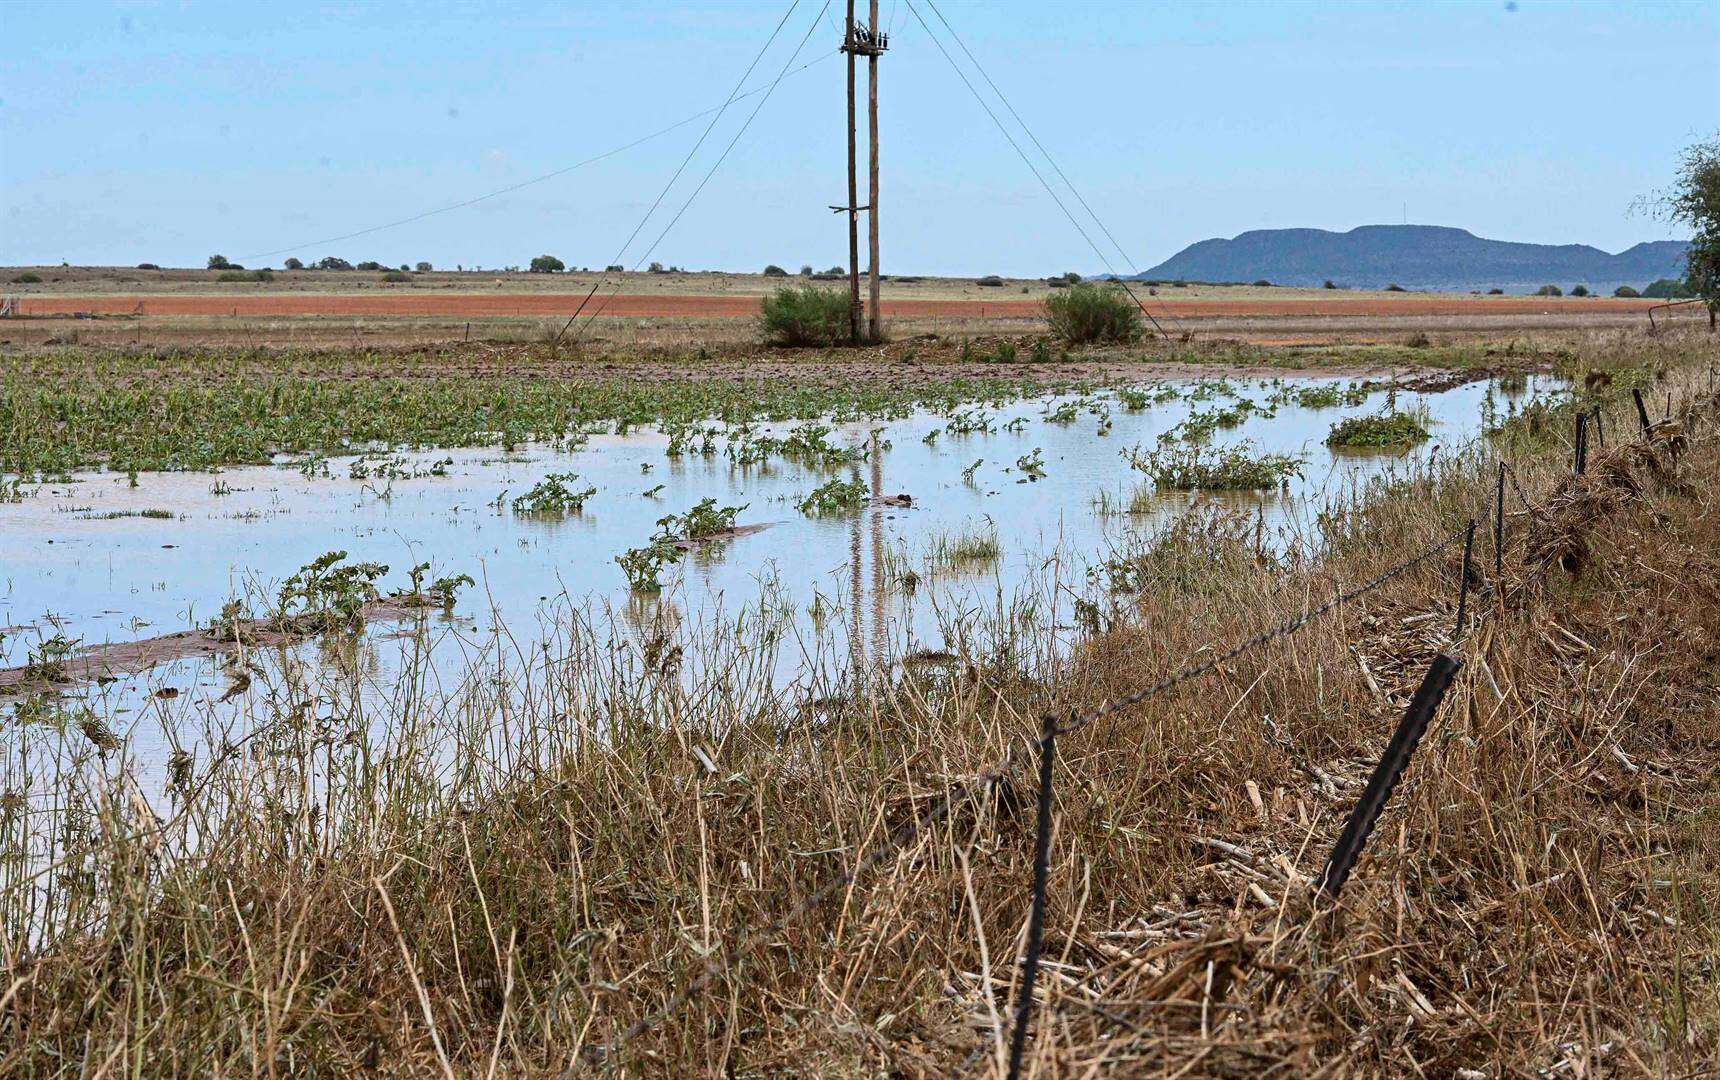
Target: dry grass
column 507, row 875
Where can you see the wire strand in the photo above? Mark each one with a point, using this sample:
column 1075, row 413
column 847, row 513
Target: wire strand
column 511, row 188
column 712, row 171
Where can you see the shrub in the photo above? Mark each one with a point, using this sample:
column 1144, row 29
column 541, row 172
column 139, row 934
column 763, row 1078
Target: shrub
column 264, row 274
column 397, row 275
column 148, row 266
column 370, row 264
column 1086, row 313
column 547, row 264
column 1329, row 284
column 1580, row 290
column 1263, row 284
column 1231, row 468
column 294, row 264
column 1495, row 292
column 990, row 281
column 804, row 315
column 839, row 271
column 1394, row 287
column 233, row 275
column 219, row 262
column 774, row 270
column 27, row 278
column 1549, row 290
column 805, row 269
column 615, row 268
column 1391, row 428
column 1072, row 278
column 656, row 268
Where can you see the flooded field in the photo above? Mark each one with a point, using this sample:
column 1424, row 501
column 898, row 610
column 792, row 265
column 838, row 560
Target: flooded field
column 859, row 538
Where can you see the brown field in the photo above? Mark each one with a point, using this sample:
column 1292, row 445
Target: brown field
column 353, row 309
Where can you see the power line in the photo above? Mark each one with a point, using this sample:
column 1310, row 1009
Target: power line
column 604, row 276
column 712, row 171
column 511, row 188
column 1130, row 263
column 1049, row 190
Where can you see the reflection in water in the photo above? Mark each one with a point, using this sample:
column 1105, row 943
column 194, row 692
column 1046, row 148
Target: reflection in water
column 72, row 569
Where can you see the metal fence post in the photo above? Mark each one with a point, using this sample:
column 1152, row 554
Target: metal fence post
column 1499, row 524
column 1035, row 919
column 1393, row 762
column 1463, row 582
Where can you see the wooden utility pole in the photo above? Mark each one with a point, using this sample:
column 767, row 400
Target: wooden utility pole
column 873, row 333
column 853, row 194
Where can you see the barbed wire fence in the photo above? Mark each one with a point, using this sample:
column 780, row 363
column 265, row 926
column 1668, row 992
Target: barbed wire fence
column 1352, row 840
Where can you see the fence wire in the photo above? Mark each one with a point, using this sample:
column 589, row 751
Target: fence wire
column 984, row 781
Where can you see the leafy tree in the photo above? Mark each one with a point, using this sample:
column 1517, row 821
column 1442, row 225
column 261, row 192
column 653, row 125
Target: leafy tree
column 330, row 262
column 371, row 264
column 293, row 264
column 1695, row 201
column 219, row 262
column 1549, row 290
column 1625, row 292
column 656, row 268
column 1580, row 290
column 805, row 269
column 424, row 268
column 774, row 270
column 547, row 264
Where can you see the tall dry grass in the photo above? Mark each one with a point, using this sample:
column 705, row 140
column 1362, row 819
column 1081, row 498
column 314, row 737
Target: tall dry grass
column 505, row 872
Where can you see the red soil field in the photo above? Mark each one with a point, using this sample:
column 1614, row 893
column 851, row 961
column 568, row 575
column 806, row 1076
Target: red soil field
column 479, row 305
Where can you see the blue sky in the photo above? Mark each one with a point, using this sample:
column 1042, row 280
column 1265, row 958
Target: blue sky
column 165, row 132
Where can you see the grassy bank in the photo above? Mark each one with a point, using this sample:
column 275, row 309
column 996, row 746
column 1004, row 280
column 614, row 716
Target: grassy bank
column 511, row 869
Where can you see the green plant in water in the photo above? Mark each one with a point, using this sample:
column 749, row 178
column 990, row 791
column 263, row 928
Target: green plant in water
column 834, row 497
column 1032, row 464
column 326, row 595
column 644, row 565
column 1204, row 468
column 1390, row 428
column 553, row 496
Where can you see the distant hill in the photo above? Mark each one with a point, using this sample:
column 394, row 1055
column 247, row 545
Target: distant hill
column 1428, row 257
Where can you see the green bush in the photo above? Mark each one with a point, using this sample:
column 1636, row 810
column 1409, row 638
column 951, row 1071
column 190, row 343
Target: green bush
column 1625, row 292
column 27, row 278
column 1086, row 313
column 804, row 315
column 547, row 264
column 1549, row 290
column 397, row 275
column 233, row 275
column 148, row 266
column 990, row 281
column 1391, row 428
column 1669, row 289
column 1580, row 290
column 219, row 262
column 774, row 270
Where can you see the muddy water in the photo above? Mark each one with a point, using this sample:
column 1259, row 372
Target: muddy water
column 80, row 560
